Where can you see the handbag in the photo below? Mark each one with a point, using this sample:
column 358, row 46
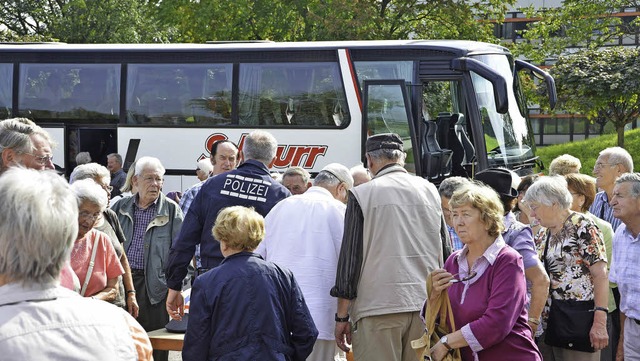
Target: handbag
column 569, row 324
column 569, row 321
column 438, row 310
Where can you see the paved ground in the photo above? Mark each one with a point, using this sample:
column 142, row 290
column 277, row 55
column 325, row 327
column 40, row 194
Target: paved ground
column 177, row 356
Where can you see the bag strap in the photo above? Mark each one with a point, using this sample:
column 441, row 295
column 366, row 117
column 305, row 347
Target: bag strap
column 90, row 268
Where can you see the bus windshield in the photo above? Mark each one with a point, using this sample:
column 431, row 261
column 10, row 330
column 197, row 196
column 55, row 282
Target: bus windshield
column 508, row 137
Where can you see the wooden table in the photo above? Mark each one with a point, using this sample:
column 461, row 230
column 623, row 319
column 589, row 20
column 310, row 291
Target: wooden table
column 164, row 340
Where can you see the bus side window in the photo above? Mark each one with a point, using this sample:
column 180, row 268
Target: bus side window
column 6, row 79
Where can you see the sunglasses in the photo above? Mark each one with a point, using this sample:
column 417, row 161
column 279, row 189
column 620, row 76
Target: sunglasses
column 470, row 276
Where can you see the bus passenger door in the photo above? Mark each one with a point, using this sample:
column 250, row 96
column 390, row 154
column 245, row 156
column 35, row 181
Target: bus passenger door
column 387, row 110
column 445, row 132
column 99, row 141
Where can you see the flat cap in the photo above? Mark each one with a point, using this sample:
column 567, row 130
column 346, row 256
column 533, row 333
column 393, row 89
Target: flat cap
column 384, row 141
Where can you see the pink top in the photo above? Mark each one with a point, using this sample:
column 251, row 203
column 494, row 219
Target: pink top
column 106, row 266
column 68, row 278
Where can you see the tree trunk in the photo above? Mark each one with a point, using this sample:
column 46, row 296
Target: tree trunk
column 620, row 131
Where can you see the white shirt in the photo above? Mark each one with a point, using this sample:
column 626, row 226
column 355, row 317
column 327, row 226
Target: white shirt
column 46, row 322
column 304, row 234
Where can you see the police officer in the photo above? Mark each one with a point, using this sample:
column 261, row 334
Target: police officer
column 249, row 185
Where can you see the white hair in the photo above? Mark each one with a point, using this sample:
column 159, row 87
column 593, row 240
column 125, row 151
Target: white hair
column 550, row 190
column 90, row 191
column 334, row 174
column 149, row 163
column 38, row 225
column 618, row 155
column 205, row 165
column 90, row 171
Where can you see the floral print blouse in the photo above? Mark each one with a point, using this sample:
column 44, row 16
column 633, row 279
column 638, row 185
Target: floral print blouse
column 577, row 246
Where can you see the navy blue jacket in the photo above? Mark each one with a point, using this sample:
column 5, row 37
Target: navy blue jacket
column 249, row 185
column 248, row 309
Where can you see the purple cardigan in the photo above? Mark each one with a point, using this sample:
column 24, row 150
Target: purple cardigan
column 494, row 310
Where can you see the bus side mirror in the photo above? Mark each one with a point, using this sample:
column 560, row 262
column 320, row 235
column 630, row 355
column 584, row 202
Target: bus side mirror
column 541, row 74
column 500, row 93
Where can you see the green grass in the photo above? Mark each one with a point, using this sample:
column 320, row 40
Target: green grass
column 587, row 150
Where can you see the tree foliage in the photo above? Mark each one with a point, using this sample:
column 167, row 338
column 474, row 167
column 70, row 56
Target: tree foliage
column 81, row 21
column 602, row 84
column 309, row 20
column 585, row 23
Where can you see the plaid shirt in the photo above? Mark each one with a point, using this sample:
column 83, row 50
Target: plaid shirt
column 456, row 243
column 625, row 270
column 141, row 220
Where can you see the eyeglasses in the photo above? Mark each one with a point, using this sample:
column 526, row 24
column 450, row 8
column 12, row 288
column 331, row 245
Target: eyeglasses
column 152, row 179
column 89, row 216
column 600, row 165
column 469, row 276
column 42, row 159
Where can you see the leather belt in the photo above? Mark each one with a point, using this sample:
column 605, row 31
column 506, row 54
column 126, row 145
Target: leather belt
column 636, row 321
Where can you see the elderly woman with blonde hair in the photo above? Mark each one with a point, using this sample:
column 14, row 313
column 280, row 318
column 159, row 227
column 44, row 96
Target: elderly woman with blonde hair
column 39, row 320
column 246, row 308
column 485, row 283
column 575, row 259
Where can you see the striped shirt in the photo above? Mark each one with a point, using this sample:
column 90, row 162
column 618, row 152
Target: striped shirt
column 601, row 209
column 141, row 220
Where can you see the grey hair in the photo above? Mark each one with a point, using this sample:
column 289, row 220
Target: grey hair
column 617, row 155
column 15, row 134
column 394, row 155
column 37, row 228
column 87, row 190
column 261, row 146
column 149, row 163
column 332, row 175
column 633, row 178
column 449, row 185
column 291, row 171
column 90, row 171
column 117, row 157
column 564, row 164
column 83, row 158
column 550, row 190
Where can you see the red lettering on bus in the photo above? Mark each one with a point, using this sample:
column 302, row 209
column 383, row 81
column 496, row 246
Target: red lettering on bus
column 286, row 156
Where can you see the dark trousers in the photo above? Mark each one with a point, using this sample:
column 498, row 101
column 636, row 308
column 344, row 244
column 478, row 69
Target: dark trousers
column 151, row 317
column 613, row 325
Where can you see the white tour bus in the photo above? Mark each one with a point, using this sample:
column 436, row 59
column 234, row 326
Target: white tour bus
column 457, row 105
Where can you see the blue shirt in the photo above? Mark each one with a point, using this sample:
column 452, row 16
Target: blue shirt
column 141, row 220
column 456, row 242
column 601, row 209
column 250, row 185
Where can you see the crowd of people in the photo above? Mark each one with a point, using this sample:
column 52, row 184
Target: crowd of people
column 302, row 268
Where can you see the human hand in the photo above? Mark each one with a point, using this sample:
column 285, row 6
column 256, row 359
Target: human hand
column 175, row 304
column 620, row 352
column 132, row 305
column 598, row 335
column 438, row 352
column 343, row 335
column 440, row 281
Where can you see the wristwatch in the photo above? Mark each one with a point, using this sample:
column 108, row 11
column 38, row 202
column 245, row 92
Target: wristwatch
column 445, row 341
